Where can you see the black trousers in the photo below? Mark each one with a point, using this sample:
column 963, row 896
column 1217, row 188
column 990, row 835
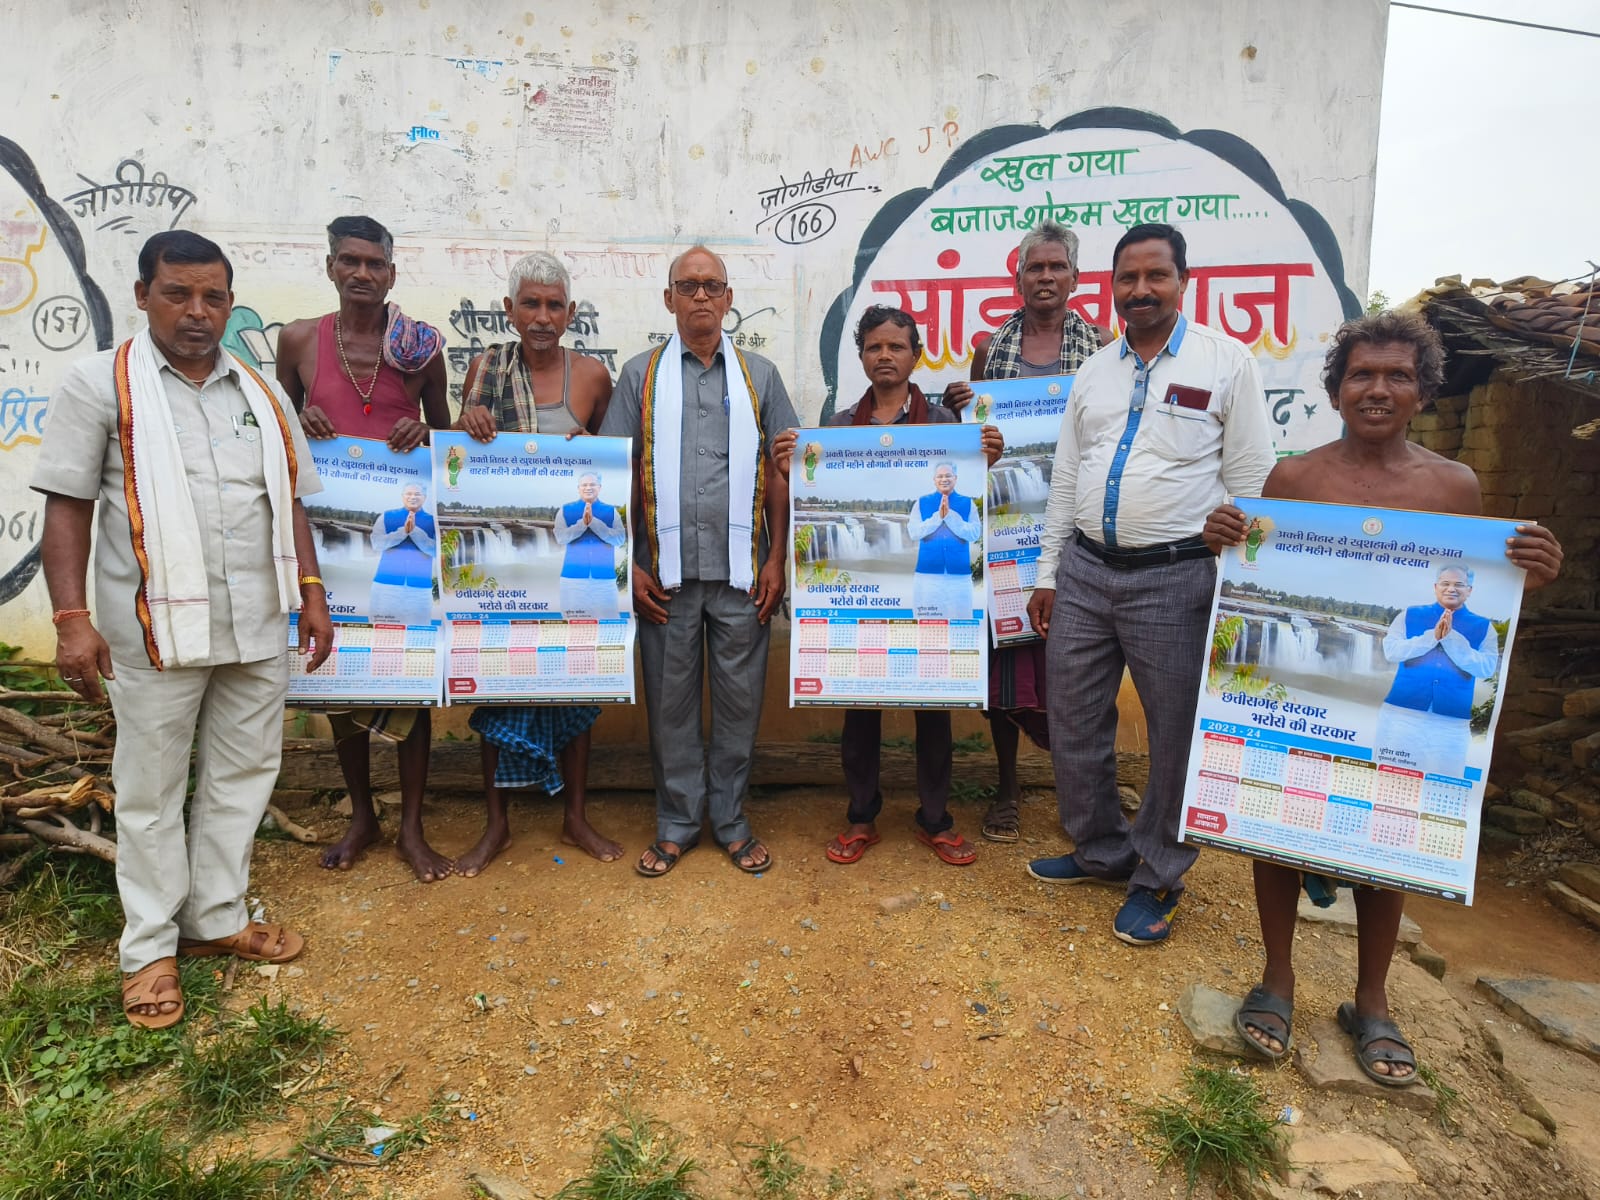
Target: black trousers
column 860, row 747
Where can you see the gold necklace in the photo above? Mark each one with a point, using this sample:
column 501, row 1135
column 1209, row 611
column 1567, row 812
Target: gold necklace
column 372, row 384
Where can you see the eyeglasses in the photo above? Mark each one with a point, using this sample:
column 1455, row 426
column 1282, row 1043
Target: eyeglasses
column 688, row 287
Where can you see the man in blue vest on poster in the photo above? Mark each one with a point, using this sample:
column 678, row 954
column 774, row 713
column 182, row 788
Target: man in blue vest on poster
column 1443, row 649
column 946, row 524
column 402, row 588
column 591, row 530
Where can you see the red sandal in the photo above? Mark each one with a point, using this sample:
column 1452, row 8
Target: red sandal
column 950, row 846
column 851, row 847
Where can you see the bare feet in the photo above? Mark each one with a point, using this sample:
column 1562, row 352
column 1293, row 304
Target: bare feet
column 575, row 831
column 342, row 855
column 426, row 863
column 495, row 839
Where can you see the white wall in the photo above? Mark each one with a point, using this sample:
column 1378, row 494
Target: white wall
column 615, row 134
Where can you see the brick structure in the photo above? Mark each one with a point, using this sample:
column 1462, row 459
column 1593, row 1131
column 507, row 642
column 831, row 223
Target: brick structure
column 1521, row 407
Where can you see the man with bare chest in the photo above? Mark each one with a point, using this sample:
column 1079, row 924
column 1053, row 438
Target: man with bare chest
column 1380, row 371
column 367, row 370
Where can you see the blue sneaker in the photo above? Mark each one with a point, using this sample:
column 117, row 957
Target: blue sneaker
column 1145, row 917
column 1065, row 868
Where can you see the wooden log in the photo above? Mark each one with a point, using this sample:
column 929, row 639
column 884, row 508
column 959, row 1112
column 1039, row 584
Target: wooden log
column 1563, row 730
column 36, row 734
column 62, row 833
column 11, row 696
column 1585, row 702
column 455, row 766
column 1586, row 751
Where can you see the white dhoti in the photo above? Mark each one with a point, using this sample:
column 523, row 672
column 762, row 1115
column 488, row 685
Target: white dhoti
column 1422, row 741
column 594, row 599
column 196, row 889
column 397, row 603
column 942, row 597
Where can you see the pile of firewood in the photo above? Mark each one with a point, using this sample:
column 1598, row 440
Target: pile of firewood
column 55, row 759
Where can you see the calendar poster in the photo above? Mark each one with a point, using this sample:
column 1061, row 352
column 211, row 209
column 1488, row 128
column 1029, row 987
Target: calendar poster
column 1028, row 414
column 886, row 567
column 534, row 557
column 1347, row 714
column 377, row 553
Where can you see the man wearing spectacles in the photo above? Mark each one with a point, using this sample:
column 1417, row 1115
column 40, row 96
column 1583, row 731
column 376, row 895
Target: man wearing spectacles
column 709, row 510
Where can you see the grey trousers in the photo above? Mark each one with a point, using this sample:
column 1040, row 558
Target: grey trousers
column 706, row 621
column 1153, row 620
column 191, row 882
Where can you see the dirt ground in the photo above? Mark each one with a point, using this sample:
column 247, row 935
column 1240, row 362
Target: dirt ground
column 905, row 1020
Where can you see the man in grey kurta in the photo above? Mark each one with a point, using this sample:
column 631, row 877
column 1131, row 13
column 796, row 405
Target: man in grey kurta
column 704, row 619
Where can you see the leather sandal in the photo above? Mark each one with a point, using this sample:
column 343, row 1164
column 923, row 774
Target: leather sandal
column 259, row 941
column 665, row 859
column 1002, row 823
column 139, row 990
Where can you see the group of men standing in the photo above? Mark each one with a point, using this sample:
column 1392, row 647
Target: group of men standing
column 205, row 550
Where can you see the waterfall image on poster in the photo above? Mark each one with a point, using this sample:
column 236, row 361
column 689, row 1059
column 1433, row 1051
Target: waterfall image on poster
column 533, row 561
column 1028, row 413
column 886, row 567
column 374, row 528
column 1355, row 673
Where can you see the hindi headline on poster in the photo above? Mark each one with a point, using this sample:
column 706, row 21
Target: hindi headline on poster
column 374, row 528
column 886, row 567
column 535, row 568
column 1028, row 413
column 1356, row 671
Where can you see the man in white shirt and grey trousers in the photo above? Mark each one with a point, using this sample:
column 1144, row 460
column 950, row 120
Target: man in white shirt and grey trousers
column 1163, row 424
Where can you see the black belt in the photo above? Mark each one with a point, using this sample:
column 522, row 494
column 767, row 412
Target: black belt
column 1147, row 556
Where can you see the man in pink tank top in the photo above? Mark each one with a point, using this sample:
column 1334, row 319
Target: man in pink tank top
column 369, row 371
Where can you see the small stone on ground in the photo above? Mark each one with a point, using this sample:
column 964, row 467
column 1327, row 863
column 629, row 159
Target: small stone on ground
column 1326, row 1058
column 1208, row 1015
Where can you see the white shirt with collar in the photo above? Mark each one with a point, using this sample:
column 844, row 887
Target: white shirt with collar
column 1147, row 450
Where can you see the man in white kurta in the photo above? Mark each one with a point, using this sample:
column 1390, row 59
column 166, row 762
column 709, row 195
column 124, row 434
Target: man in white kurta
column 228, row 675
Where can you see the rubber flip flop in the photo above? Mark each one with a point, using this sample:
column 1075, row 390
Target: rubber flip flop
column 1364, row 1031
column 140, row 989
column 950, row 846
column 1258, row 1000
column 854, row 846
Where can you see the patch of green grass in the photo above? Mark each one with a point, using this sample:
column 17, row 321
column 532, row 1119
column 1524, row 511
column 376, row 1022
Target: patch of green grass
column 831, row 736
column 637, row 1159
column 900, row 742
column 55, row 906
column 242, row 1073
column 973, row 743
column 964, row 791
column 1447, row 1101
column 64, row 1039
column 775, row 1170
column 342, row 1133
column 1223, row 1129
column 117, row 1158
